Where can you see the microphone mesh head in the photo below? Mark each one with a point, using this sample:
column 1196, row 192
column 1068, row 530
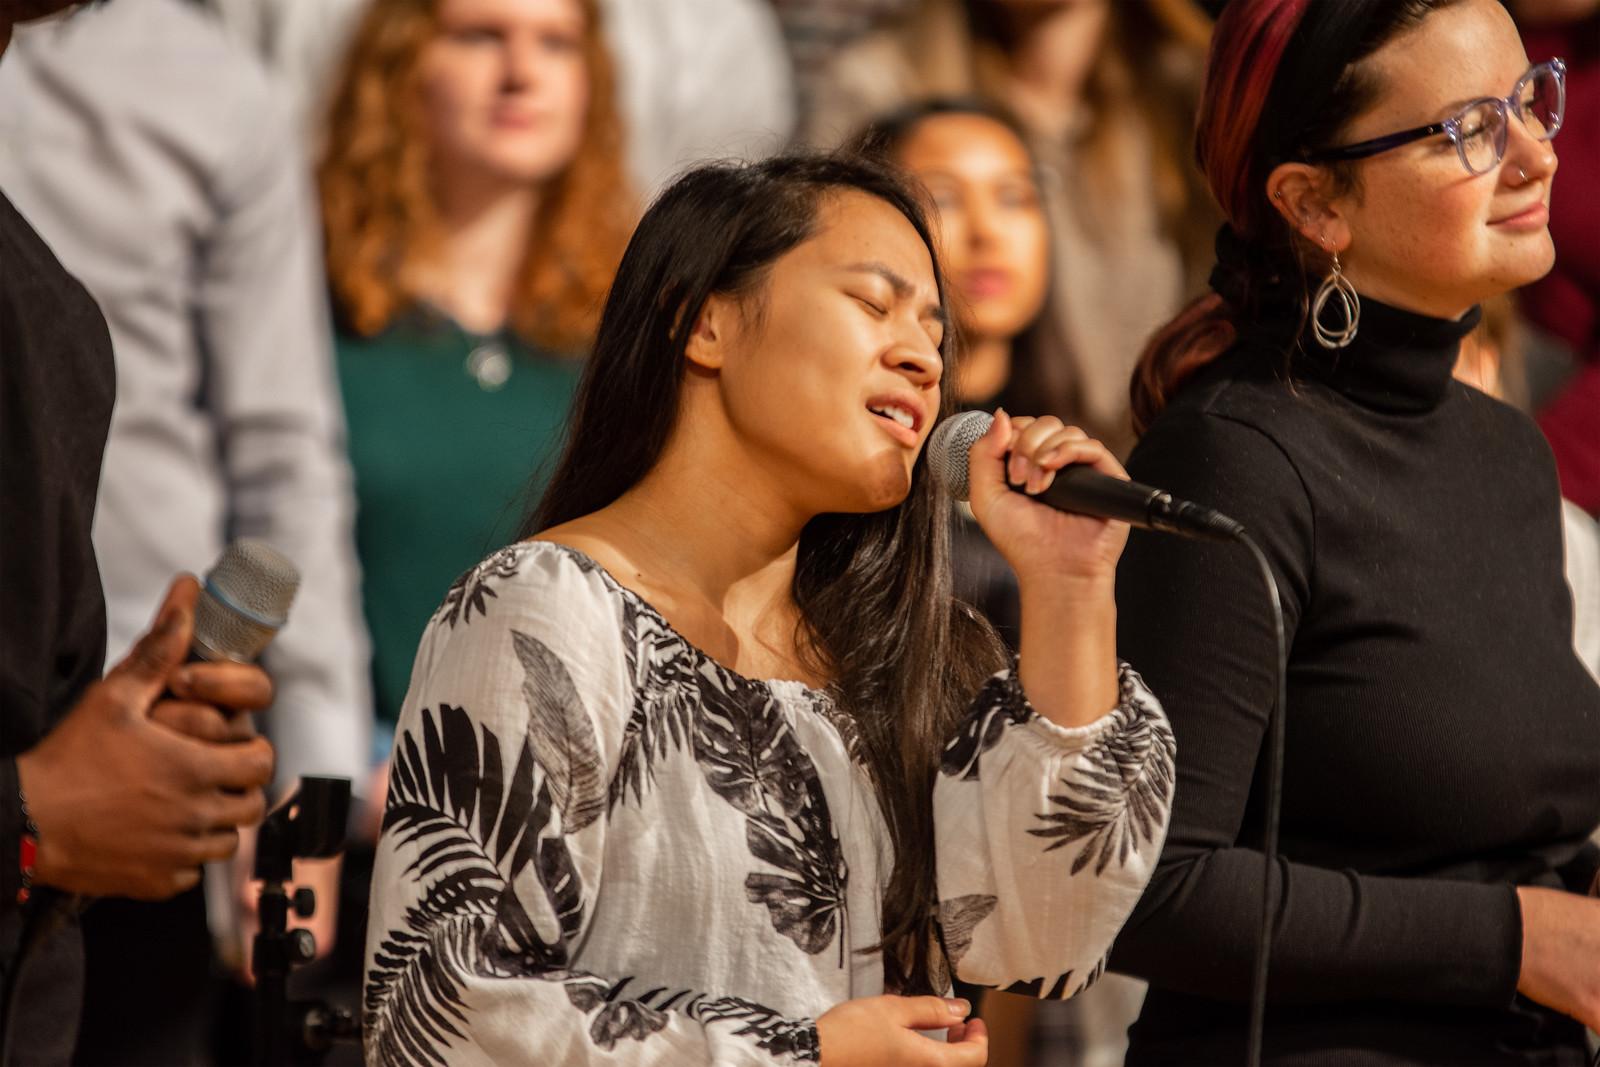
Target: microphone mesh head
column 949, row 447
column 244, row 600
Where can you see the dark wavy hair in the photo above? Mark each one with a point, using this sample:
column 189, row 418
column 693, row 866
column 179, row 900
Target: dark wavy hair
column 1283, row 79
column 873, row 590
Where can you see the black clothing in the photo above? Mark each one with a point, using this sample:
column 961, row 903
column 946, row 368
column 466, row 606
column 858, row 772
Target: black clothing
column 982, row 577
column 149, row 994
column 1442, row 742
column 56, row 387
column 980, row 574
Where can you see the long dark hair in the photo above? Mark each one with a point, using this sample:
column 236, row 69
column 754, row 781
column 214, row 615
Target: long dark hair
column 1283, row 79
column 873, row 591
column 1041, row 376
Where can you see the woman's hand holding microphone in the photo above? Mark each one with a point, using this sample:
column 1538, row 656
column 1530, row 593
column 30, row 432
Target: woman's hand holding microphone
column 1066, row 564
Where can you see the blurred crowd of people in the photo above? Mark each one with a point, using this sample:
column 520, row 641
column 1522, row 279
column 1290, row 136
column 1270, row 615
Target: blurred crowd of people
column 352, row 252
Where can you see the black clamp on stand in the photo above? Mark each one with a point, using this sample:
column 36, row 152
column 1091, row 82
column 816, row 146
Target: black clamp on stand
column 309, row 825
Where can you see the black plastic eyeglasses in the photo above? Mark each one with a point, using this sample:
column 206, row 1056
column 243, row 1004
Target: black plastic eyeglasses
column 1480, row 129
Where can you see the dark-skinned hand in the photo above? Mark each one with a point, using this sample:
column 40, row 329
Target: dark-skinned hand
column 153, row 771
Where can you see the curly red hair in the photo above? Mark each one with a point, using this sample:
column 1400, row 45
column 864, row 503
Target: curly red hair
column 378, row 209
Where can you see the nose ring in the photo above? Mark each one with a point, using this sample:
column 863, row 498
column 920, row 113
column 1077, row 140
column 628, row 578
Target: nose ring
column 1522, row 175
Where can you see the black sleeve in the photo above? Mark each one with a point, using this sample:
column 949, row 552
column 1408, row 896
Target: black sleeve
column 57, row 384
column 1194, row 619
column 10, row 840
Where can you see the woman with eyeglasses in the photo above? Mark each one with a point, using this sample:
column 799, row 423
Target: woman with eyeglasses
column 1385, row 166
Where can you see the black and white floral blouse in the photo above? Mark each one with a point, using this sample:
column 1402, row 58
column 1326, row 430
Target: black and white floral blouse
column 601, row 846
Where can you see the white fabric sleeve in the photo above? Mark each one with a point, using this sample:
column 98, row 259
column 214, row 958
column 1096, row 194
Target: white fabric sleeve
column 1582, row 536
column 494, row 837
column 1046, row 836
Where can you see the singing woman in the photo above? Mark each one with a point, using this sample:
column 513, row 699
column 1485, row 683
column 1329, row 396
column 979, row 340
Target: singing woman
column 712, row 768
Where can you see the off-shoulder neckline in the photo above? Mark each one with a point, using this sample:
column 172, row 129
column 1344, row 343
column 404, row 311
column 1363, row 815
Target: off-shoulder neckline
column 588, row 562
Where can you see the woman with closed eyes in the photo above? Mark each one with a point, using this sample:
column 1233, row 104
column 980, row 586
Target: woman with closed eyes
column 712, row 768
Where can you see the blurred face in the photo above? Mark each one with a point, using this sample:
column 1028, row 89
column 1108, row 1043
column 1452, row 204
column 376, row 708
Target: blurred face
column 1423, row 233
column 993, row 239
column 832, row 382
column 1061, row 37
column 505, row 87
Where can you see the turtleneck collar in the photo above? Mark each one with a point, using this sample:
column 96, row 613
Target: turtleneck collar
column 1400, row 361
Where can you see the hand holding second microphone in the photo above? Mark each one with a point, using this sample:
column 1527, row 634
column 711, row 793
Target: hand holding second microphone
column 149, row 775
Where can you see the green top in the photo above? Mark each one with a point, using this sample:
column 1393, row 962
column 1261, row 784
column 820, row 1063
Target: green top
column 447, row 432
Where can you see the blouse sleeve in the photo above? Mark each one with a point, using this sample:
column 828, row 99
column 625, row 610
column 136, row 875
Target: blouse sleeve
column 493, row 842
column 1047, row 835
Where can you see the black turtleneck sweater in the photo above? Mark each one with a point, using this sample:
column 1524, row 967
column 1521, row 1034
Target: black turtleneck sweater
column 1442, row 739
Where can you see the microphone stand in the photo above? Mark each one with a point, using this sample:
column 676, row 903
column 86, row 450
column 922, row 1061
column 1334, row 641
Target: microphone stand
column 309, row 825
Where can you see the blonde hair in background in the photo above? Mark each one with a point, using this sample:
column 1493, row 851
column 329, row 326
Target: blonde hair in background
column 378, row 211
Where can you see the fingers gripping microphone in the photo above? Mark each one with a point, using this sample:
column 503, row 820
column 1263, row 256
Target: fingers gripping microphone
column 1080, row 490
column 244, row 601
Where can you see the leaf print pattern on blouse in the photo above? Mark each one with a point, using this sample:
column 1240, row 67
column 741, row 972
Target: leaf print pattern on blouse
column 616, row 1020
column 471, row 591
column 1119, row 797
column 748, row 753
column 414, row 988
column 998, row 705
column 563, row 734
column 958, row 919
column 548, row 704
column 1061, row 988
column 619, row 1017
column 474, row 828
column 1116, row 798
column 666, row 696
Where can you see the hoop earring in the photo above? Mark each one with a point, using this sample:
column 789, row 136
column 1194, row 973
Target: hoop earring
column 1336, row 285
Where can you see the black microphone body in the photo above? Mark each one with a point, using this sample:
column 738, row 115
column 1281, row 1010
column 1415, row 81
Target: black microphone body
column 1085, row 491
column 1080, row 490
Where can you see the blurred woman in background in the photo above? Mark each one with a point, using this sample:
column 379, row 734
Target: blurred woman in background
column 1105, row 93
column 974, row 162
column 475, row 207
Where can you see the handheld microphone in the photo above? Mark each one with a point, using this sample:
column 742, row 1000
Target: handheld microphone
column 244, row 601
column 1080, row 490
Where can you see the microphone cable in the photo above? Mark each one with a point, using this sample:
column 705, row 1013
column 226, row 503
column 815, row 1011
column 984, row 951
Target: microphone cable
column 1274, row 806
